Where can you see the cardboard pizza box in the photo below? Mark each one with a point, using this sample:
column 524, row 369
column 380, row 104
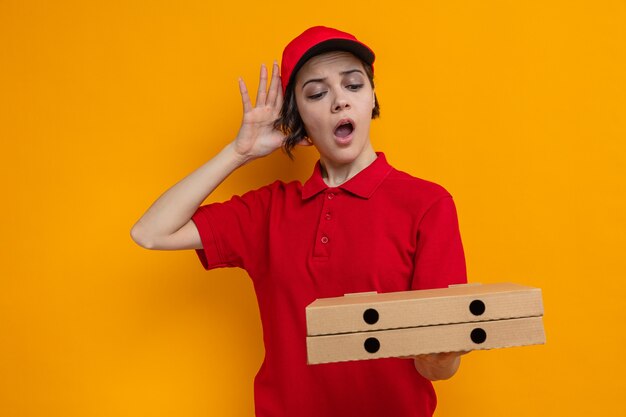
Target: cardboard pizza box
column 458, row 318
column 455, row 304
column 425, row 339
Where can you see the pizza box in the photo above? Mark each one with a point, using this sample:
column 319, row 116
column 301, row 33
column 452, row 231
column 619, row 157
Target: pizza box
column 407, row 323
column 425, row 339
column 456, row 304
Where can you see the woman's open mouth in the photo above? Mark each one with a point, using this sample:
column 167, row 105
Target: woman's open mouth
column 343, row 130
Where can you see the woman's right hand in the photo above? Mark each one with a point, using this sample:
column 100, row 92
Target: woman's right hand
column 257, row 136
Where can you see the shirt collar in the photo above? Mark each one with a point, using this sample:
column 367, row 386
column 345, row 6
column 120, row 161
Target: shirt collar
column 363, row 184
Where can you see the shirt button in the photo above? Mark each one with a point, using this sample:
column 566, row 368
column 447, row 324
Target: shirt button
column 328, row 216
column 331, row 196
column 324, row 239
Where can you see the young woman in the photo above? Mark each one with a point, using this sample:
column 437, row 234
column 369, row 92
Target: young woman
column 357, row 224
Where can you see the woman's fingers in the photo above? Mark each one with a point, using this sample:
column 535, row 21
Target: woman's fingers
column 262, row 91
column 274, row 86
column 272, row 97
column 279, row 97
column 245, row 98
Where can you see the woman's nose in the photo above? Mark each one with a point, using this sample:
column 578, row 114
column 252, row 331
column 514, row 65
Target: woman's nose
column 340, row 103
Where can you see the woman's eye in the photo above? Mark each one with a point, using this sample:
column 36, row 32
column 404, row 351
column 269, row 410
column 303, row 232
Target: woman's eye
column 354, row 87
column 316, row 95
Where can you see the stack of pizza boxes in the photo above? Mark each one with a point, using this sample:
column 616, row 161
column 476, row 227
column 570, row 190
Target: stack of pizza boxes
column 407, row 323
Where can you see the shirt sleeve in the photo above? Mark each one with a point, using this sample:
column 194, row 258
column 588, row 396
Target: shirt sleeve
column 234, row 232
column 439, row 258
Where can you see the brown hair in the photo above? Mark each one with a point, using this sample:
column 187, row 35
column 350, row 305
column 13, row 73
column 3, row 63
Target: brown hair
column 290, row 122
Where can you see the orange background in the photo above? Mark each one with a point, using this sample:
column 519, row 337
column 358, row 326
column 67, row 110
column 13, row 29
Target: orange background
column 517, row 108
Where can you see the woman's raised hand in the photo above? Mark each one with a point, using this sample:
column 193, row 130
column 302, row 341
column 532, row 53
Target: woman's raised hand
column 257, row 136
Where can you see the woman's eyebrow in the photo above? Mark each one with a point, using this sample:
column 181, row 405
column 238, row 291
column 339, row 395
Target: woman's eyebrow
column 313, row 80
column 351, row 71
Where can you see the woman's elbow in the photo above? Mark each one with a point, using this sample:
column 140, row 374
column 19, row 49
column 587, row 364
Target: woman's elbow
column 141, row 238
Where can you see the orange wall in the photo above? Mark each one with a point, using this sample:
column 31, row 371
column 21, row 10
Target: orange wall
column 517, row 107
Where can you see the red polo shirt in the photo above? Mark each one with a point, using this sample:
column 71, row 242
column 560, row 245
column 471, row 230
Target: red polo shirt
column 383, row 230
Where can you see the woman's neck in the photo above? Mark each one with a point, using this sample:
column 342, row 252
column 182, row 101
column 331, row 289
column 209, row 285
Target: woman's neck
column 335, row 174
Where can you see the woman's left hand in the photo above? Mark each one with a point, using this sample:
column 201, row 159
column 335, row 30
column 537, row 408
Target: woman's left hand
column 438, row 366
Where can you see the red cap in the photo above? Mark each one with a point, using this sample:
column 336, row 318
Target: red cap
column 315, row 41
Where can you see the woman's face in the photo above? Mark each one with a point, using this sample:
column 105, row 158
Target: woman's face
column 335, row 101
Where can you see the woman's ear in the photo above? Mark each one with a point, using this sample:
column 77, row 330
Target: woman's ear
column 373, row 99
